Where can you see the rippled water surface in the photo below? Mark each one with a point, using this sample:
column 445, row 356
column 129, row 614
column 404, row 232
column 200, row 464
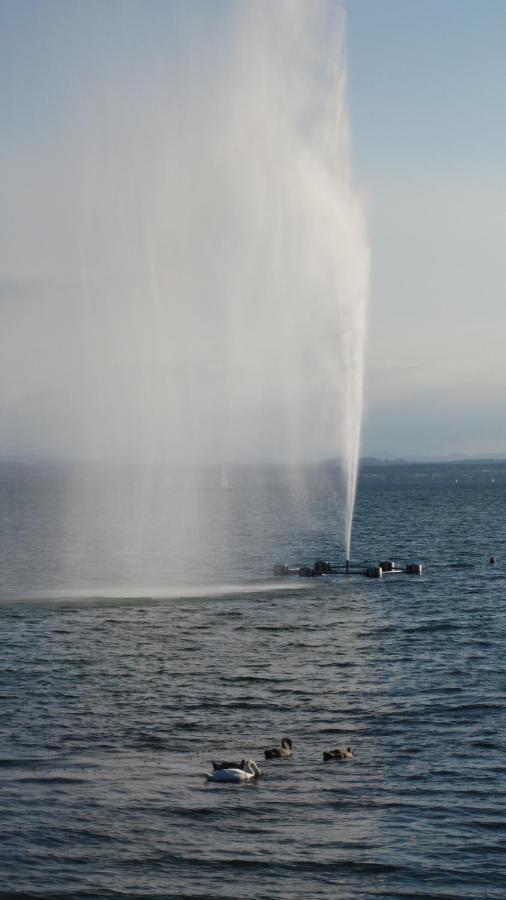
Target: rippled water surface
column 114, row 706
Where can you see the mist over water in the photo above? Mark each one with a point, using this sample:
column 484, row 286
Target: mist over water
column 220, row 257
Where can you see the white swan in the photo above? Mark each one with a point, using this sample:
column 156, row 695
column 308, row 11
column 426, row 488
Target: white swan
column 236, row 776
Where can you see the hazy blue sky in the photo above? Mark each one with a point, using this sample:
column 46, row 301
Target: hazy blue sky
column 427, row 83
column 427, row 80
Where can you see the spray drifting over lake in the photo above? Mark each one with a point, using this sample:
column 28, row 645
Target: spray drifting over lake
column 220, row 254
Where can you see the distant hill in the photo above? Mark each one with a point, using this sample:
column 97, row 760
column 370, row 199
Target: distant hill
column 467, row 470
column 435, row 460
column 374, row 461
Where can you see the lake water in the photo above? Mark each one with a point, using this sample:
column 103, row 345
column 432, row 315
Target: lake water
column 120, row 681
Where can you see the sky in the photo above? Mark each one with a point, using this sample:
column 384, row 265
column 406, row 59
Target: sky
column 426, row 85
column 426, row 89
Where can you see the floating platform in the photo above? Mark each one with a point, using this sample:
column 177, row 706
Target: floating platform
column 324, row 567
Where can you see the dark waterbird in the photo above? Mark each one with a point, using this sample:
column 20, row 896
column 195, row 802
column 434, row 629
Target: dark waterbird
column 284, row 751
column 228, row 765
column 338, row 753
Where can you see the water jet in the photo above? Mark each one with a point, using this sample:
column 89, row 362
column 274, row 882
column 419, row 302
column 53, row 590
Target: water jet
column 216, row 270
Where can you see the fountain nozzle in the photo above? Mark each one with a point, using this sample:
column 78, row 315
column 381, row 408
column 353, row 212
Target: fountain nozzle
column 347, row 567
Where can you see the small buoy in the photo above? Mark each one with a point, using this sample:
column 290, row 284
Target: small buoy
column 387, row 565
column 414, row 569
column 306, row 572
column 492, row 560
column 374, row 572
column 281, row 569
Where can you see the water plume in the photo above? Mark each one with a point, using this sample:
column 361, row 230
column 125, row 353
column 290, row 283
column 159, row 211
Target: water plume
column 222, row 255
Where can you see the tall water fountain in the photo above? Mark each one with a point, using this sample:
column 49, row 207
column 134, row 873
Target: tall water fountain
column 217, row 260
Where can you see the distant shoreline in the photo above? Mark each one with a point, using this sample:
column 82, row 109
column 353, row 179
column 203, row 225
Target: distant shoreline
column 366, row 462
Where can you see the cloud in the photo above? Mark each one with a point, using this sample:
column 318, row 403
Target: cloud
column 16, row 289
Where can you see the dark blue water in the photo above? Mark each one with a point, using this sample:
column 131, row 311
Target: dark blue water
column 113, row 706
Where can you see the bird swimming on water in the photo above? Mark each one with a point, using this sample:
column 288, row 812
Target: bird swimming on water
column 228, row 765
column 338, row 753
column 284, row 751
column 235, row 776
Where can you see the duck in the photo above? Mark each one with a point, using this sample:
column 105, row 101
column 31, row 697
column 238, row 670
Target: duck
column 284, row 751
column 228, row 765
column 236, row 776
column 338, row 753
